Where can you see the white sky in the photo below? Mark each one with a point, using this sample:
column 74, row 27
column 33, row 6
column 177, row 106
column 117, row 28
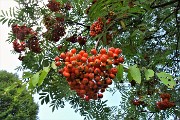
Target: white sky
column 10, row 61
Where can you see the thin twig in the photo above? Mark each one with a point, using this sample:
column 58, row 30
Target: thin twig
column 165, row 4
column 96, row 45
column 178, row 31
column 151, row 116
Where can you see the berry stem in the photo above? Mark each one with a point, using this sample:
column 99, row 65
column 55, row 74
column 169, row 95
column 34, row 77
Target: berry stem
column 96, row 45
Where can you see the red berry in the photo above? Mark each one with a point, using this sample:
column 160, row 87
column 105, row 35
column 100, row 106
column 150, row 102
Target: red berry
column 62, row 55
column 73, row 51
column 100, row 95
column 56, row 58
column 93, row 51
column 86, row 98
column 103, row 51
column 121, row 59
column 58, row 63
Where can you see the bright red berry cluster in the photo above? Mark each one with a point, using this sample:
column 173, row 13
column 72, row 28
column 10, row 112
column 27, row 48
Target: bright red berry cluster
column 89, row 75
column 165, row 103
column 96, row 28
column 26, row 37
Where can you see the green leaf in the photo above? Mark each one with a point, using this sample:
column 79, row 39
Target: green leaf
column 3, row 12
column 43, row 75
column 58, row 15
column 120, row 72
column 149, row 73
column 47, row 99
column 135, row 73
column 53, row 65
column 26, row 75
column 35, row 79
column 42, row 101
column 21, row 89
column 166, row 79
column 4, row 21
column 10, row 88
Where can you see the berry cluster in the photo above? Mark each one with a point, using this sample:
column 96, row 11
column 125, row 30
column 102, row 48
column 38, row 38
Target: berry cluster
column 80, row 39
column 19, row 46
column 67, row 6
column 96, row 27
column 137, row 102
column 23, row 33
column 54, row 31
column 33, row 44
column 55, row 6
column 165, row 103
column 88, row 75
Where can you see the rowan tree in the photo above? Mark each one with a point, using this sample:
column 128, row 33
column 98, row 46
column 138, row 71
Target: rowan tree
column 74, row 51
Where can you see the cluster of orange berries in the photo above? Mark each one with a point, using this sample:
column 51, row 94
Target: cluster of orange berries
column 96, row 28
column 165, row 103
column 89, row 75
column 23, row 33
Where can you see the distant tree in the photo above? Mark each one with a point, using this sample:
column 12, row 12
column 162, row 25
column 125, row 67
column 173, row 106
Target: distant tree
column 16, row 103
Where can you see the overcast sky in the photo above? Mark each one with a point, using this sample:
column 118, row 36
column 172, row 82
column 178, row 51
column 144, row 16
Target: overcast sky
column 9, row 62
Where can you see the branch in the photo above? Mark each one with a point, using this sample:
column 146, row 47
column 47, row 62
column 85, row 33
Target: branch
column 164, row 4
column 178, row 30
column 97, row 43
column 73, row 22
column 151, row 116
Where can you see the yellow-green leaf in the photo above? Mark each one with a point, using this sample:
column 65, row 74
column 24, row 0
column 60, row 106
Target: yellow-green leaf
column 120, row 72
column 122, row 24
column 43, row 75
column 53, row 65
column 166, row 79
column 134, row 73
column 148, row 74
column 35, row 79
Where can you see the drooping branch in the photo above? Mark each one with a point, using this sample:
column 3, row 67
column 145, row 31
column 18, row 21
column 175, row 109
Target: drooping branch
column 164, row 4
column 77, row 23
column 178, row 30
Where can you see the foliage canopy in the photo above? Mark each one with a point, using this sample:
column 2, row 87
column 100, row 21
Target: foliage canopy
column 15, row 101
column 146, row 31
